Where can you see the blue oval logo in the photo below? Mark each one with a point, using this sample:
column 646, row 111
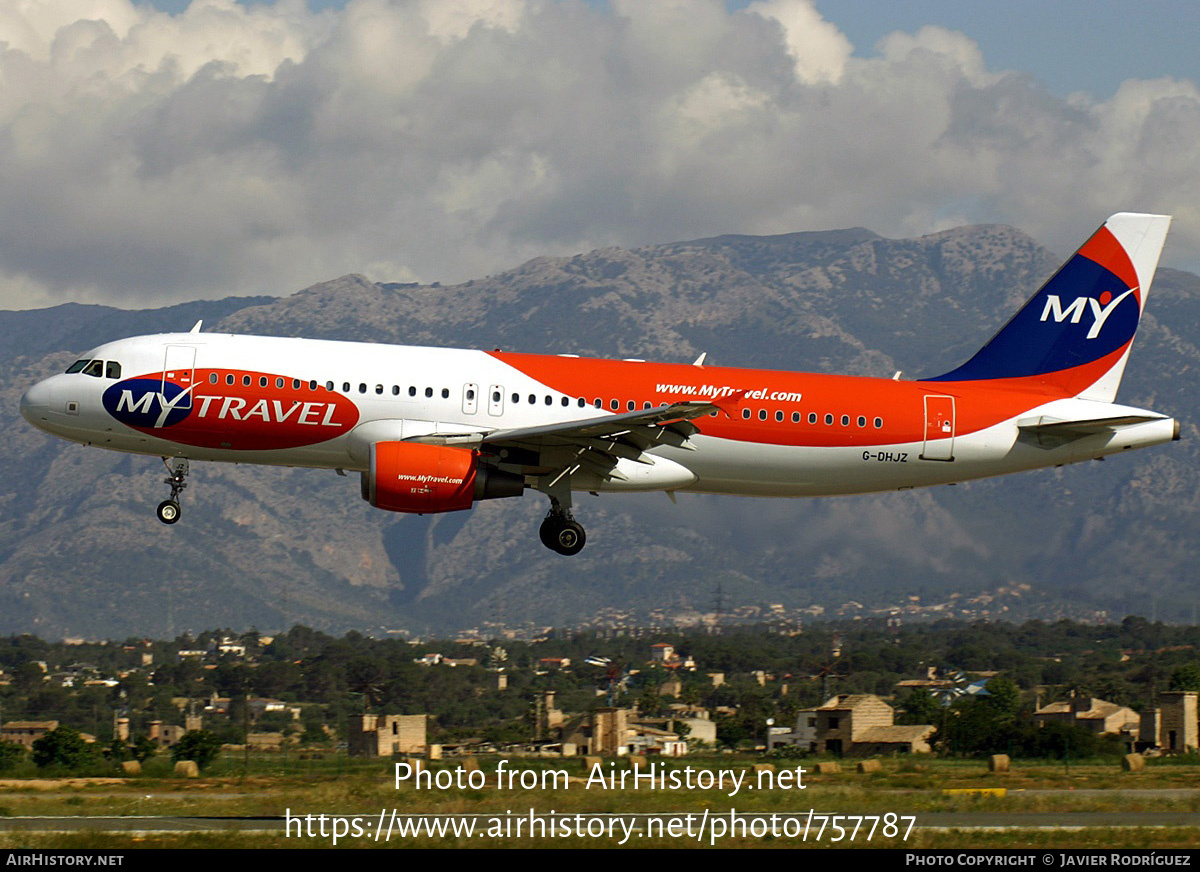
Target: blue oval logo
column 147, row 403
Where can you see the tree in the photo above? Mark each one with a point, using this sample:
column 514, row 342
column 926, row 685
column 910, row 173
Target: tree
column 117, row 750
column 11, row 755
column 143, row 749
column 199, row 746
column 63, row 747
column 1186, row 677
column 1003, row 697
column 919, row 707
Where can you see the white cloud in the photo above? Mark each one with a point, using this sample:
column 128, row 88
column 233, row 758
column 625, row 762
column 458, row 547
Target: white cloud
column 818, row 50
column 146, row 157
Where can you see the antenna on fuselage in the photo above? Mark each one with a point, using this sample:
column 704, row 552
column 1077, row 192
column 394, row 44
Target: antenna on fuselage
column 196, row 327
column 700, row 360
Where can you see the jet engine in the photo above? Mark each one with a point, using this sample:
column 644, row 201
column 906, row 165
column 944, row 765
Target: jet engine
column 426, row 479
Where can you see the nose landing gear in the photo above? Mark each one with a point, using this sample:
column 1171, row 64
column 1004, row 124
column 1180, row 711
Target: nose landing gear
column 168, row 510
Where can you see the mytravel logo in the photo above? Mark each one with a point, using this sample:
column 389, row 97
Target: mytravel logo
column 1100, row 308
column 238, row 410
column 147, row 403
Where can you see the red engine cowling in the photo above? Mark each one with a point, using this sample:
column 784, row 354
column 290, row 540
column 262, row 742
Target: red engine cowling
column 426, row 479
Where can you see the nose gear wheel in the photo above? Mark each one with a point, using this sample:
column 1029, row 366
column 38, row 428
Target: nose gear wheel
column 168, row 510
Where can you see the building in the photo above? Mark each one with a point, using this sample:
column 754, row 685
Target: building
column 165, row 735
column 385, row 735
column 1173, row 725
column 1094, row 714
column 858, row 724
column 614, row 731
column 25, row 733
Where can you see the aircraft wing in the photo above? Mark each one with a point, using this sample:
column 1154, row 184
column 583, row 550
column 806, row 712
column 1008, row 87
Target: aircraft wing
column 658, row 425
column 596, row 444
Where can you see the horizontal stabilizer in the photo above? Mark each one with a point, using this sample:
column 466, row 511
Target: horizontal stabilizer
column 1052, row 432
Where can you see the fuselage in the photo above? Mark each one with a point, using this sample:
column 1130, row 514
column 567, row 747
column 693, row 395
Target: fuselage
column 317, row 403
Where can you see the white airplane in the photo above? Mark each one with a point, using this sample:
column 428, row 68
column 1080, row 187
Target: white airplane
column 435, row 429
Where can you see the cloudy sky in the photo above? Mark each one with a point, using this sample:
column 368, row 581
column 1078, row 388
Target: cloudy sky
column 157, row 152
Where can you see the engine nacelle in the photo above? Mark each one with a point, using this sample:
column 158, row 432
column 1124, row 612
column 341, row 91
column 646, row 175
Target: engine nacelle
column 426, row 479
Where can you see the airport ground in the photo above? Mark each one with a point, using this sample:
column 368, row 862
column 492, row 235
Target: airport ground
column 950, row 804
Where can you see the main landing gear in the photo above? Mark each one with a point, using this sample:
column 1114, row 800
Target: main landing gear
column 168, row 510
column 560, row 532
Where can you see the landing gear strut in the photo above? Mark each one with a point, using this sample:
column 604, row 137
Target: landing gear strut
column 168, row 510
column 560, row 532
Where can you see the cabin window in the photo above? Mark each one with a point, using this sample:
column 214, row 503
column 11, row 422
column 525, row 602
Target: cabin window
column 795, row 417
column 549, row 400
column 229, row 379
column 362, row 387
column 614, row 405
column 412, row 391
column 312, row 385
column 812, row 417
column 495, row 396
column 746, row 414
column 862, row 422
column 445, row 393
column 829, row 419
column 582, row 402
column 429, row 392
column 328, row 385
column 532, row 399
column 878, row 423
column 212, row 378
column 566, row 401
column 245, row 381
column 516, row 398
column 279, row 382
column 345, row 387
column 470, row 394
column 262, row 381
column 296, row 384
column 779, row 416
column 379, row 389
column 395, row 390
column 845, row 420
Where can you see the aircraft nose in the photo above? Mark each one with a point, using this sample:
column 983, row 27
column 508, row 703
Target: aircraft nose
column 35, row 403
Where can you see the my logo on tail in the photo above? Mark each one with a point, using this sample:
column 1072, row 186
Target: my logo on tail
column 1101, row 309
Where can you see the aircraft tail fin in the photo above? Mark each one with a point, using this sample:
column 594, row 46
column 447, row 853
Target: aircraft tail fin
column 1075, row 333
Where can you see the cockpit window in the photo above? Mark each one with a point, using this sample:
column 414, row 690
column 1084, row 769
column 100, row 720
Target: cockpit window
column 94, row 368
column 78, row 365
column 112, row 369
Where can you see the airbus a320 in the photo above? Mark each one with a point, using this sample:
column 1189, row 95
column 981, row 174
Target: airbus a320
column 436, row 429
